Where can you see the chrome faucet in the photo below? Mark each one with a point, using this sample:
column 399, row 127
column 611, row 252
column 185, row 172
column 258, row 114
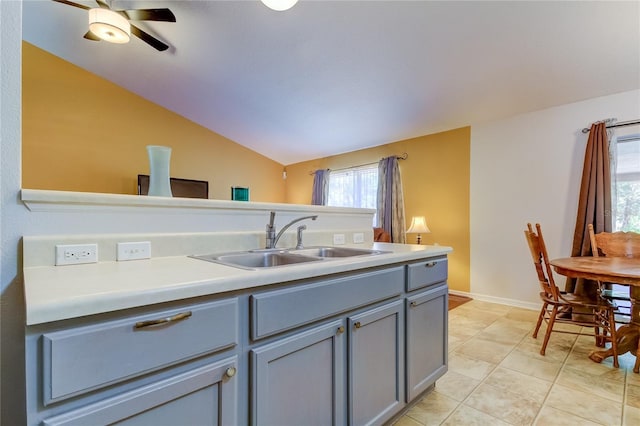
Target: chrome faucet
column 271, row 238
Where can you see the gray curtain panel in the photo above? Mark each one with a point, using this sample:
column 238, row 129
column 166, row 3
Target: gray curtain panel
column 391, row 199
column 320, row 189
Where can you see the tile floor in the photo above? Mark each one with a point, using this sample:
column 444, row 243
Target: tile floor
column 497, row 376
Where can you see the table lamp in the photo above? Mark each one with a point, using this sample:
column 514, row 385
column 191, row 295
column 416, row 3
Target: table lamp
column 418, row 226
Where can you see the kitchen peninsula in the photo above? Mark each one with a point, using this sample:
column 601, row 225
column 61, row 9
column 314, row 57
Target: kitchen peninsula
column 178, row 340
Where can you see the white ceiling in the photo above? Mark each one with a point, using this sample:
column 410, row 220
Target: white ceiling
column 329, row 77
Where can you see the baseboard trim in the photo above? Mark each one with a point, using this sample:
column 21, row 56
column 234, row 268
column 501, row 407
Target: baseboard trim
column 499, row 300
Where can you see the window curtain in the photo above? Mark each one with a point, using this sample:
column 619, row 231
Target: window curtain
column 390, row 199
column 320, row 189
column 594, row 205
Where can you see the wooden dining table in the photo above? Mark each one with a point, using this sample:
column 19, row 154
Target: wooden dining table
column 619, row 270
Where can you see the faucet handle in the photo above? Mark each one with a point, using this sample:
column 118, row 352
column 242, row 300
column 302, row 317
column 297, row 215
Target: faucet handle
column 300, row 229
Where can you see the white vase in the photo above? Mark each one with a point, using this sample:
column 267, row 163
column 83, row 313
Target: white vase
column 159, row 183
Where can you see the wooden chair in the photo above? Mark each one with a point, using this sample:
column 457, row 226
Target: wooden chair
column 554, row 301
column 615, row 244
column 380, row 235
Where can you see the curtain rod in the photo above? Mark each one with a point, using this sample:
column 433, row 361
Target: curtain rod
column 621, row 124
column 404, row 156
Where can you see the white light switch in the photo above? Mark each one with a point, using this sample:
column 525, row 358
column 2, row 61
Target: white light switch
column 338, row 239
column 134, row 251
column 358, row 237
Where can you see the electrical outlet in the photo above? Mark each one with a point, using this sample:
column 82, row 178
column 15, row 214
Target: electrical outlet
column 358, row 238
column 134, row 251
column 73, row 254
column 338, row 239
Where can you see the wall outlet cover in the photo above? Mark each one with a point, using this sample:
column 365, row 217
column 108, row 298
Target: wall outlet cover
column 338, row 239
column 358, row 238
column 75, row 254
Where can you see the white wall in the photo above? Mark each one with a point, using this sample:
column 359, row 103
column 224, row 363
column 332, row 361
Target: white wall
column 528, row 168
column 11, row 219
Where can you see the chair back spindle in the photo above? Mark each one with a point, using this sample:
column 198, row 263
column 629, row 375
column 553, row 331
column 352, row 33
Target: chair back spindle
column 541, row 261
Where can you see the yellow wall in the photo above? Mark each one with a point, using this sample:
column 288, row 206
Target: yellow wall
column 435, row 179
column 81, row 132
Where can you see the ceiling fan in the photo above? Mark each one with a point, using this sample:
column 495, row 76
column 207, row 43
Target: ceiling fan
column 114, row 26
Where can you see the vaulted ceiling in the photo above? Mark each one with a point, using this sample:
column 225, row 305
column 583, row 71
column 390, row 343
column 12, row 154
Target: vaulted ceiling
column 328, row 77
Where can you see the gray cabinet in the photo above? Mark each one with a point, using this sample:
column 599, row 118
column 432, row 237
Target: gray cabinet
column 174, row 365
column 302, row 379
column 376, row 364
column 351, row 348
column 426, row 339
column 299, row 380
column 203, row 396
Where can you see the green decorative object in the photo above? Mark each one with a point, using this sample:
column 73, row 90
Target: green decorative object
column 239, row 193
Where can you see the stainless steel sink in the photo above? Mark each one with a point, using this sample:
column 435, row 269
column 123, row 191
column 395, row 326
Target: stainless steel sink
column 252, row 260
column 257, row 259
column 336, row 252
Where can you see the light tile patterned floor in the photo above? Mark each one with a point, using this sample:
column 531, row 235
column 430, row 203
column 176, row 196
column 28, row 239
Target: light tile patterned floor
column 497, row 376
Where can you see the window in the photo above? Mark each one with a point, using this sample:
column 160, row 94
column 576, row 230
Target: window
column 626, row 198
column 354, row 187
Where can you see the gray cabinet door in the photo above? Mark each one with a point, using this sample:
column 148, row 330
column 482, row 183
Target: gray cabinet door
column 376, row 364
column 426, row 339
column 203, row 396
column 300, row 380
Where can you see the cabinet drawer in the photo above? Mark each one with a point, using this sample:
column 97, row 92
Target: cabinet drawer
column 85, row 358
column 426, row 273
column 203, row 396
column 276, row 311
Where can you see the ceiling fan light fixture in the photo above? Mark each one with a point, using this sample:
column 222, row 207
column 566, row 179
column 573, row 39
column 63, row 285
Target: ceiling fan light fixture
column 279, row 5
column 109, row 25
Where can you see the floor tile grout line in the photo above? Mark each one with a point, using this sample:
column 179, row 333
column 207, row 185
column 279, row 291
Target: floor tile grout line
column 488, row 374
column 460, row 403
column 565, row 365
column 576, row 345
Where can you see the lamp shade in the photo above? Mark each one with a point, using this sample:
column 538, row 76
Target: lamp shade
column 279, row 5
column 109, row 25
column 418, row 226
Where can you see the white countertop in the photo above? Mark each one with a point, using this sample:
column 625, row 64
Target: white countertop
column 55, row 293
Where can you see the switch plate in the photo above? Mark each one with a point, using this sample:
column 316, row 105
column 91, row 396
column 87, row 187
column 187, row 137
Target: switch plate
column 358, row 238
column 74, row 254
column 134, row 251
column 338, row 239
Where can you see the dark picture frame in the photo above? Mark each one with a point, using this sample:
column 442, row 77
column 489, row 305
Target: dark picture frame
column 182, row 188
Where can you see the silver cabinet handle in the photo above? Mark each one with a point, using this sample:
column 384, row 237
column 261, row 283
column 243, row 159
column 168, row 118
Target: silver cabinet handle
column 430, row 264
column 177, row 317
column 413, row 304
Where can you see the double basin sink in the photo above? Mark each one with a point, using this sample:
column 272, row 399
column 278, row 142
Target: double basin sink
column 269, row 258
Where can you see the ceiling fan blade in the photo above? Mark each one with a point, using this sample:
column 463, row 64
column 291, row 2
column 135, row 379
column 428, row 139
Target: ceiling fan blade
column 103, row 4
column 150, row 15
column 91, row 36
column 148, row 38
column 70, row 3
